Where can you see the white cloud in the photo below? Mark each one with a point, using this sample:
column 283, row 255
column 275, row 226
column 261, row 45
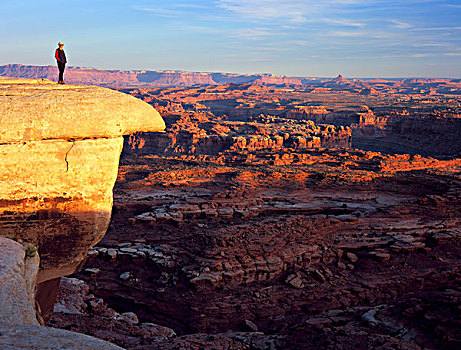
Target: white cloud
column 172, row 10
column 261, row 59
column 400, row 24
column 346, row 34
column 429, row 45
column 345, row 23
column 298, row 42
column 436, row 28
column 158, row 11
column 252, row 33
column 294, row 11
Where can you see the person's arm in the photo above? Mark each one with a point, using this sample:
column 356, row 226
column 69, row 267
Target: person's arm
column 57, row 55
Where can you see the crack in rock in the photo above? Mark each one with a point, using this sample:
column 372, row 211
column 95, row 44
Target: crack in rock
column 67, row 163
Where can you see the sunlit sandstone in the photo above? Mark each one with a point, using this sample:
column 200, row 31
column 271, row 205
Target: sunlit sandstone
column 59, row 154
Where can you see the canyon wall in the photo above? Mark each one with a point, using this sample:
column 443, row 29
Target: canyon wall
column 96, row 76
column 426, row 133
column 165, row 78
column 427, row 136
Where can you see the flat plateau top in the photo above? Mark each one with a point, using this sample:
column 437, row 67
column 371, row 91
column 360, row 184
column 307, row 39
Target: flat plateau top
column 38, row 109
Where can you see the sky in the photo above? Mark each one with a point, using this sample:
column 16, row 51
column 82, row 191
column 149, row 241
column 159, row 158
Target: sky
column 323, row 38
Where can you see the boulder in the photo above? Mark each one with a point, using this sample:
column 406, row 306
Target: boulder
column 18, row 274
column 37, row 337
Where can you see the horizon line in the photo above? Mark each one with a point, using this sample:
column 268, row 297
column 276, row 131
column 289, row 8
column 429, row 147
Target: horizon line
column 243, row 74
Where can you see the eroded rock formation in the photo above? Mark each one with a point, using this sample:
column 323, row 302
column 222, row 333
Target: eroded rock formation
column 59, row 150
column 332, row 247
column 389, row 122
column 195, row 134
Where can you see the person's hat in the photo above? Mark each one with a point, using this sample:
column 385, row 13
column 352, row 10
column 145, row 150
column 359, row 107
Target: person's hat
column 60, row 43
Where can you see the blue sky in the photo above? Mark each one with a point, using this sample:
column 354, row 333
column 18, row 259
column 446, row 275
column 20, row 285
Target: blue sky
column 357, row 38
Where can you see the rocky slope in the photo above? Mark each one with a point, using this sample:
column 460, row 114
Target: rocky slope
column 26, row 337
column 335, row 249
column 59, row 150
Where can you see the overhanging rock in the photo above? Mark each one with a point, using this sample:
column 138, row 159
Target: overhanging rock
column 59, row 152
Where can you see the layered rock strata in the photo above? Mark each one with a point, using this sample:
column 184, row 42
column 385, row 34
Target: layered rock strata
column 59, row 150
column 212, row 118
column 142, row 78
column 332, row 247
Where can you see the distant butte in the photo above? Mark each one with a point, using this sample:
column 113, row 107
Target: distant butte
column 340, row 80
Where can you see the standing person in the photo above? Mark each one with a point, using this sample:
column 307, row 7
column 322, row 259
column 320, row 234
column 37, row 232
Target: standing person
column 61, row 60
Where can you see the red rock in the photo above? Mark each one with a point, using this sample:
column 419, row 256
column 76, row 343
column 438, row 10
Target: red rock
column 352, row 257
column 294, row 209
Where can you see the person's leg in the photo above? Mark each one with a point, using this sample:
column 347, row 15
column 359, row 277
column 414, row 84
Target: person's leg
column 61, row 72
column 63, row 69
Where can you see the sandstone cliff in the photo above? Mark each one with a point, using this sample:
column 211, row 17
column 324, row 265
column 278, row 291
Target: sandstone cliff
column 429, row 135
column 59, row 150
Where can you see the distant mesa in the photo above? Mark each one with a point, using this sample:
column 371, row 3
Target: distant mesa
column 116, row 78
column 119, row 79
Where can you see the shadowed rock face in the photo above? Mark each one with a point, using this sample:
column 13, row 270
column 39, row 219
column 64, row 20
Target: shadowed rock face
column 18, row 273
column 36, row 337
column 59, row 151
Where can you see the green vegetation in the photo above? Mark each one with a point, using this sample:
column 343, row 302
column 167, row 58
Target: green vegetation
column 31, row 250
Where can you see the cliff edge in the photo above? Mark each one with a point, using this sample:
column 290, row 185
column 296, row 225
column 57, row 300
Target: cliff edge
column 59, row 152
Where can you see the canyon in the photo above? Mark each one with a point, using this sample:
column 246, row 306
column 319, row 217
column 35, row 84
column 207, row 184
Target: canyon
column 390, row 123
column 269, row 214
column 265, row 218
column 342, row 248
